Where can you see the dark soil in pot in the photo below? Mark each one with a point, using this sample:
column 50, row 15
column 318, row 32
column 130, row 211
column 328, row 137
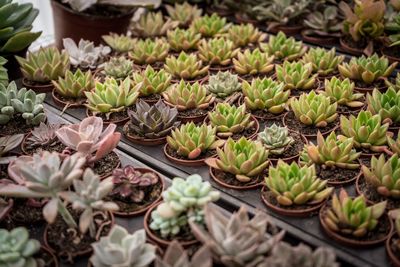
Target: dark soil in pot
column 151, row 99
column 316, row 39
column 352, row 47
column 173, row 156
column 28, row 148
column 46, row 257
column 37, row 87
column 156, row 65
column 291, row 153
column 115, row 117
column 140, row 140
column 368, row 88
column 229, row 180
column 105, row 166
column 299, row 92
column 214, row 69
column 305, row 210
column 200, row 80
column 16, row 125
column 250, row 77
column 194, row 115
column 393, row 250
column 321, row 78
column 392, row 53
column 65, row 102
column 244, row 18
column 372, row 238
column 346, row 110
column 337, row 176
column 249, row 133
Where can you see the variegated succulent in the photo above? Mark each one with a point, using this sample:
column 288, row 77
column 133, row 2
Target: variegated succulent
column 152, row 24
column 323, row 62
column 386, row 104
column 185, row 66
column 210, row 26
column 152, row 81
column 245, row 34
column 253, row 62
column 74, row 84
column 342, row 92
column 119, row 43
column 284, row 48
column 217, row 51
column 183, row 13
column 183, row 39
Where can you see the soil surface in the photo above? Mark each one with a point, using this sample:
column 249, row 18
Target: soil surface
column 295, row 125
column 372, row 195
column 70, row 100
column 230, row 179
column 16, row 125
column 107, row 164
column 336, row 174
column 204, row 155
column 57, row 147
column 292, row 150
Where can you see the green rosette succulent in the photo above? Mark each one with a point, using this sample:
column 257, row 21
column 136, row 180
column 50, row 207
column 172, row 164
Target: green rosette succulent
column 118, row 68
column 223, row 84
column 367, row 69
column 292, row 185
column 229, row 119
column 183, row 13
column 183, row 40
column 191, row 141
column 149, row 51
column 323, row 62
column 217, row 51
column 394, row 144
column 243, row 158
column 45, row 65
column 3, row 71
column 313, row 109
column 185, row 66
column 342, row 92
column 152, row 24
column 366, row 129
column 210, row 26
column 275, row 139
column 245, row 34
column 386, row 104
column 283, row 47
column 253, row 62
column 73, row 85
column 152, row 81
column 324, row 24
column 296, row 75
column 333, row 152
column 119, row 43
column 265, row 94
column 352, row 216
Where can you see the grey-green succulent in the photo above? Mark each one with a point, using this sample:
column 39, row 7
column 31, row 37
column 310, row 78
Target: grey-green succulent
column 276, row 139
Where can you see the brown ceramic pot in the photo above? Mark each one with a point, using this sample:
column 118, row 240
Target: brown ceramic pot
column 395, row 260
column 143, row 141
column 38, row 88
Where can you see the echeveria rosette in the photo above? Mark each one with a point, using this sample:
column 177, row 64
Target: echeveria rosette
column 152, row 24
column 149, row 51
column 223, row 84
column 243, row 35
column 342, row 92
column 296, row 75
column 323, row 62
column 74, row 84
column 275, row 139
column 386, row 104
column 118, row 67
column 253, row 62
column 119, row 43
column 210, row 26
column 184, row 13
column 183, row 39
column 217, row 51
column 153, row 81
column 325, row 24
column 284, row 48
column 185, row 66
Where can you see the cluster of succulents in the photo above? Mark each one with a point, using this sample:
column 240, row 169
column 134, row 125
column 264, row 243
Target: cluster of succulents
column 152, row 81
column 323, row 62
column 74, row 84
column 296, row 75
column 342, row 92
column 152, row 24
column 284, row 48
column 149, row 51
column 119, row 43
column 276, row 139
column 185, row 66
column 118, row 68
column 253, row 62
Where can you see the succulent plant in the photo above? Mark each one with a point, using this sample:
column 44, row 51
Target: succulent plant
column 323, row 62
column 296, row 75
column 265, row 94
column 367, row 130
column 275, row 139
column 186, row 96
column 245, row 34
column 74, row 84
column 167, row 222
column 152, row 81
column 44, row 65
column 152, row 122
column 17, row 249
column 395, row 84
column 8, row 143
column 112, row 96
column 185, row 66
column 119, row 248
column 217, row 51
column 248, row 243
column 352, row 216
column 190, row 141
column 333, row 152
column 3, row 72
column 341, row 91
column 243, row 158
column 394, row 145
column 284, row 48
column 326, row 23
column 149, row 51
column 43, row 135
column 119, row 43
column 85, row 55
column 176, row 256
column 386, row 104
column 210, row 26
column 393, row 28
column 184, row 13
column 367, row 69
column 16, row 32
column 183, row 40
column 294, row 185
column 152, row 24
column 229, row 119
column 223, row 84
column 253, row 62
column 88, row 138
column 313, row 109
column 118, row 67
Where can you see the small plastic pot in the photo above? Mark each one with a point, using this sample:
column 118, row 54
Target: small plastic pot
column 143, row 141
column 317, row 39
column 38, row 88
column 66, row 104
column 395, row 261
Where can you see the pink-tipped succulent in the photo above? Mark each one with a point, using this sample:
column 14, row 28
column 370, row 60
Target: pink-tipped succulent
column 131, row 184
column 89, row 139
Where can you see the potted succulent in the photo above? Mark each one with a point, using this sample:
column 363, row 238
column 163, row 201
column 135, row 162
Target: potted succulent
column 152, row 25
column 183, row 13
column 224, row 86
column 367, row 72
column 210, row 26
column 148, row 51
column 112, row 99
column 119, row 43
column 217, row 52
column 336, row 218
column 245, row 166
column 324, row 63
column 387, row 105
column 187, row 67
column 283, row 48
column 253, row 63
column 7, row 144
column 150, row 125
column 189, row 144
column 281, row 143
column 90, row 141
column 291, row 190
column 41, row 67
column 392, row 243
column 233, row 122
column 42, row 138
column 391, row 41
column 118, row 68
column 191, row 100
column 182, row 203
column 265, row 98
column 183, row 40
column 310, row 114
column 245, row 35
column 335, row 159
column 135, row 190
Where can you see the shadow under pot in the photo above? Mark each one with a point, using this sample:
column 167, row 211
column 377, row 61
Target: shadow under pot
column 372, row 238
column 140, row 140
column 185, row 237
column 174, row 157
column 291, row 152
column 118, row 118
column 69, row 244
column 152, row 195
column 65, row 102
column 287, row 29
column 305, row 210
column 38, row 87
column 338, row 176
column 316, row 39
column 393, row 249
column 392, row 53
column 28, row 148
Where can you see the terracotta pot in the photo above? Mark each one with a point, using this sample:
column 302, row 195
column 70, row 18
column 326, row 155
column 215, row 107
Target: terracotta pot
column 158, row 240
column 107, row 122
column 349, row 49
column 349, row 241
column 288, row 30
column 394, row 260
column 143, row 141
column 289, row 160
column 183, row 162
column 55, row 260
column 69, row 23
column 319, row 40
column 12, row 65
column 66, row 104
column 38, row 88
column 235, row 187
column 144, row 209
column 289, row 212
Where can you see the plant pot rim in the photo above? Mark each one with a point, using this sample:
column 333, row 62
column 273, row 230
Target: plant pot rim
column 252, row 136
column 142, row 141
column 143, row 209
column 220, row 67
column 288, row 212
column 349, row 49
column 43, row 88
column 150, row 234
column 349, row 241
column 107, row 122
column 48, row 251
column 66, row 104
column 183, row 162
column 392, row 257
column 235, row 187
column 287, row 29
column 328, row 40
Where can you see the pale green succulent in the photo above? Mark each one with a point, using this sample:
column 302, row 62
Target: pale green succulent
column 183, row 13
column 73, row 85
column 275, row 139
column 149, row 51
column 183, row 40
column 217, row 51
column 185, row 66
column 342, row 92
column 223, row 84
column 152, row 81
column 284, row 48
column 118, row 67
column 210, row 26
column 386, row 104
column 245, row 34
column 323, row 62
column 296, row 75
column 119, row 43
column 152, row 24
column 396, row 84
column 253, row 62
column 3, row 71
